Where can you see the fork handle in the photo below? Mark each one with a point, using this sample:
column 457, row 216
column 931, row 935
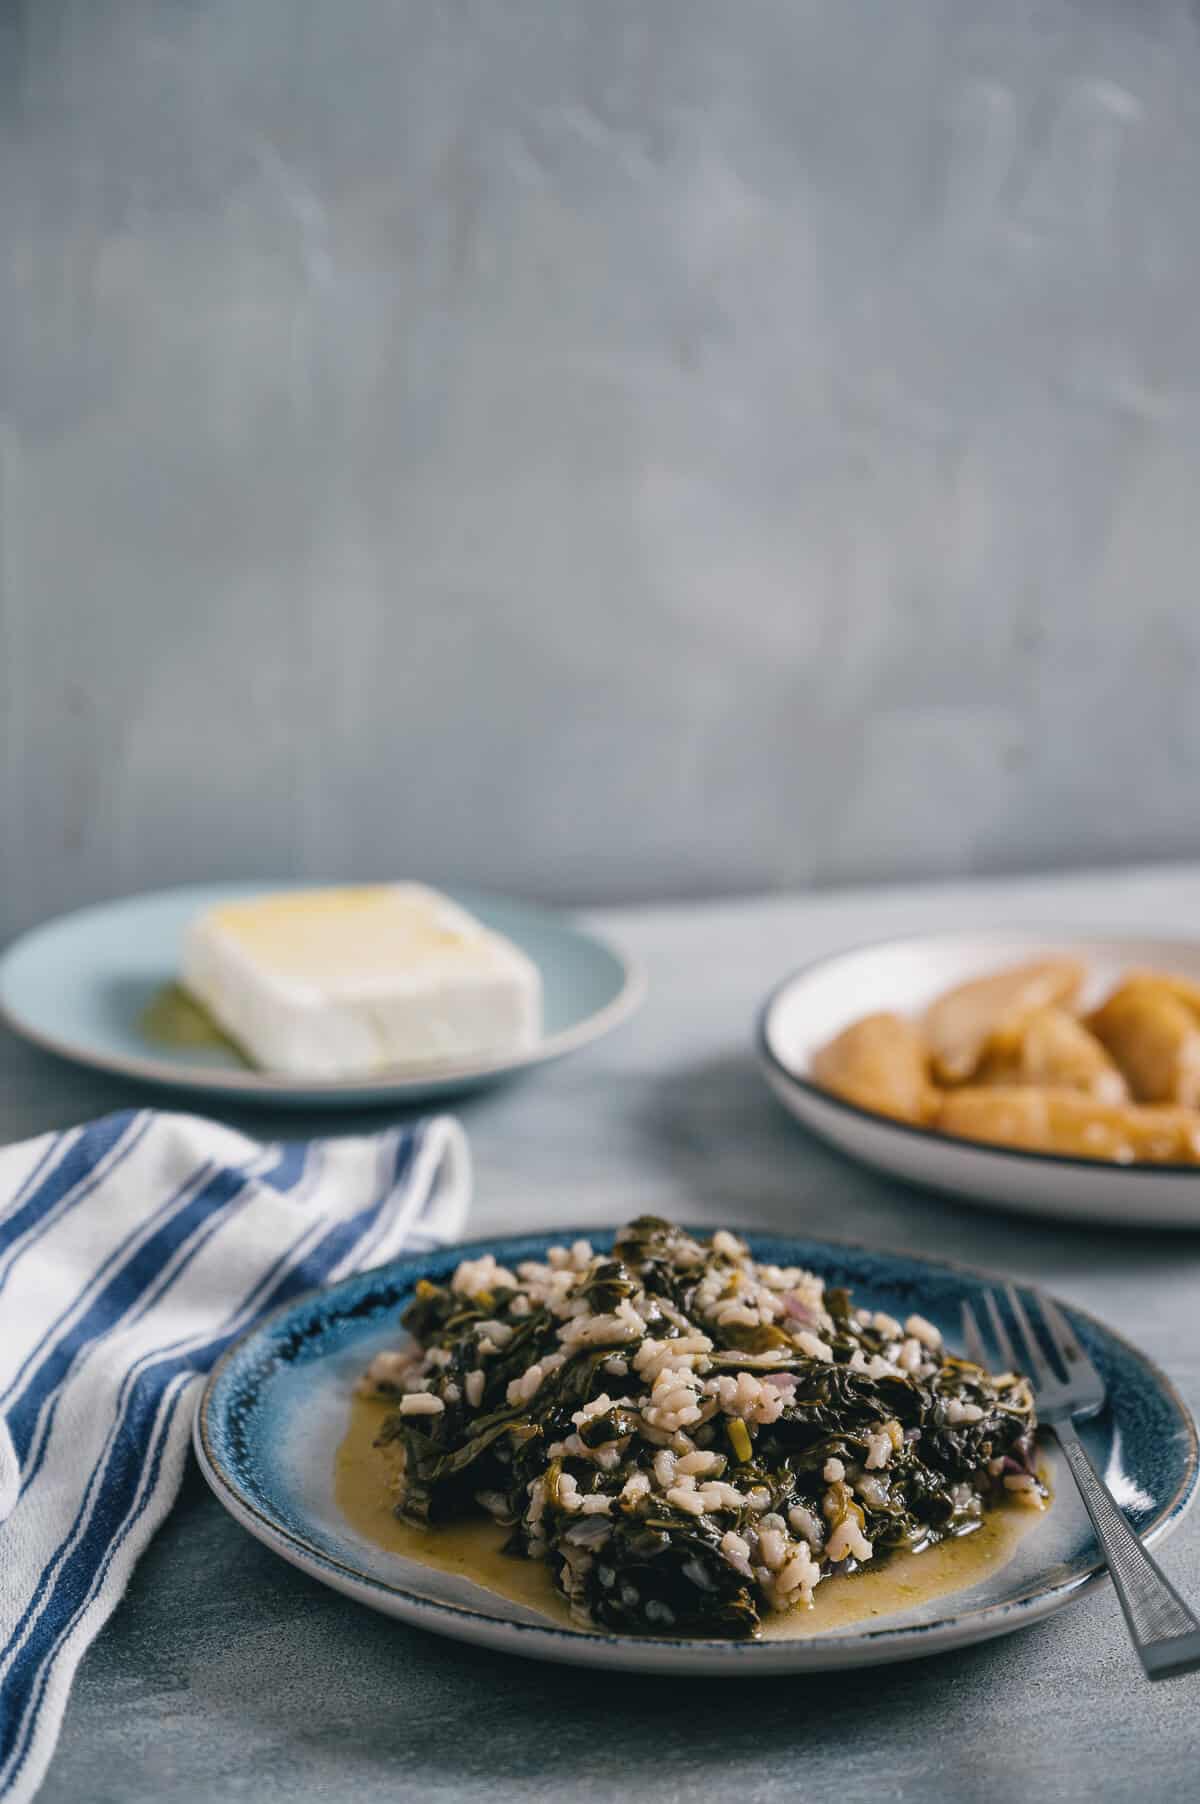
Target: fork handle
column 1161, row 1627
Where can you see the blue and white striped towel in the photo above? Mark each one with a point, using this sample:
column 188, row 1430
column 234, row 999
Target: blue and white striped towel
column 132, row 1252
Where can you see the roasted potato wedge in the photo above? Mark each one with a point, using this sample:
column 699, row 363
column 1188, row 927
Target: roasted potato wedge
column 960, row 1023
column 880, row 1063
column 1154, row 1038
column 1182, row 988
column 1050, row 1048
column 1062, row 1121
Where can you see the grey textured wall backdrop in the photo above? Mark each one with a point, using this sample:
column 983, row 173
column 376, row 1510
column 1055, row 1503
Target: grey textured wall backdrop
column 597, row 449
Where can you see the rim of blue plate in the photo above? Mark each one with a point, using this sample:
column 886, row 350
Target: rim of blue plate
column 221, row 1480
column 395, row 1078
column 1026, row 1155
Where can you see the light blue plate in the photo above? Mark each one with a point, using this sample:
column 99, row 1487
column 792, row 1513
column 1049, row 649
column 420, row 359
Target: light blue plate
column 275, row 1410
column 80, row 986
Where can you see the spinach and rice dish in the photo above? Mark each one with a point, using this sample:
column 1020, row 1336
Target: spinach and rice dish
column 689, row 1438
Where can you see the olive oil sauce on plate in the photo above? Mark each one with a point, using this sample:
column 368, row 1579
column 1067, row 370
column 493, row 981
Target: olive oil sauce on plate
column 367, row 1482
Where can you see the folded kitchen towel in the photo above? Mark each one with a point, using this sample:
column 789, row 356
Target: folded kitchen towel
column 132, row 1252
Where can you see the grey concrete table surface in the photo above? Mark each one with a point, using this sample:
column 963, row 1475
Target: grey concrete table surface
column 224, row 1674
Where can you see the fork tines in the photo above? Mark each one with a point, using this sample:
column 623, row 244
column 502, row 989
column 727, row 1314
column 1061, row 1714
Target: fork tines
column 1070, row 1373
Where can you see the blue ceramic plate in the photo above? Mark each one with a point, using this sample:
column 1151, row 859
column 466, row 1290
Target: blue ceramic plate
column 84, row 987
column 276, row 1408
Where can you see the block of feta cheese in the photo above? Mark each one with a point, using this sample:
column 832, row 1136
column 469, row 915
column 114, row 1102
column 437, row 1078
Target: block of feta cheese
column 335, row 983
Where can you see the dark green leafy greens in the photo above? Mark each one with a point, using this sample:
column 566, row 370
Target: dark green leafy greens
column 689, row 1438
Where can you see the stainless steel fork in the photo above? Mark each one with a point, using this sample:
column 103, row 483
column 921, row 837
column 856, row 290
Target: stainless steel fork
column 1161, row 1627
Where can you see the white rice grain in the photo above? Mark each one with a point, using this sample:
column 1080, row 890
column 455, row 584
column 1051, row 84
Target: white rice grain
column 421, row 1403
column 686, row 1500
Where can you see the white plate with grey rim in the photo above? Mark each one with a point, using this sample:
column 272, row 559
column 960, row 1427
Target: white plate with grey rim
column 815, row 1003
column 276, row 1408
